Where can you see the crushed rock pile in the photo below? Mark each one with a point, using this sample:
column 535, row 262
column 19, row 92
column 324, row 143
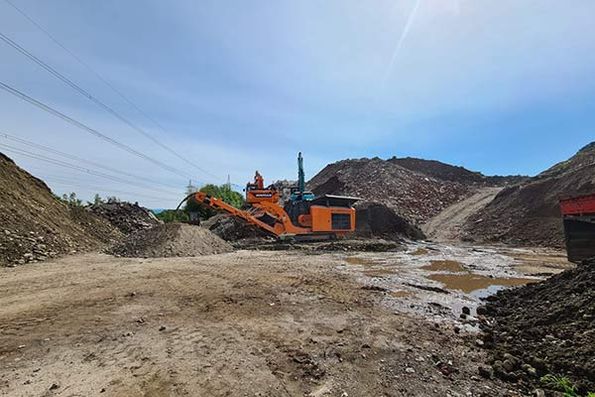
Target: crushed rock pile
column 170, row 240
column 36, row 226
column 377, row 220
column 415, row 196
column 453, row 173
column 231, row 228
column 528, row 213
column 127, row 217
column 545, row 328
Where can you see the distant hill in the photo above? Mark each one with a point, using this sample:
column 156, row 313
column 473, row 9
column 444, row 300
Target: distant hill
column 528, row 213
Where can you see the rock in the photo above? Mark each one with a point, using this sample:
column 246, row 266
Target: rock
column 162, row 328
column 529, row 370
column 479, row 342
column 409, row 370
column 482, row 310
column 508, row 365
column 538, row 393
column 485, row 372
column 466, row 310
column 54, row 386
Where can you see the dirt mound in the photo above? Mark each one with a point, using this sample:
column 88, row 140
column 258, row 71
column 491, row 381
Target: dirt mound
column 583, row 158
column 529, row 214
column 170, row 239
column 35, row 225
column 414, row 196
column 127, row 217
column 447, row 172
column 231, row 228
column 377, row 220
column 545, row 328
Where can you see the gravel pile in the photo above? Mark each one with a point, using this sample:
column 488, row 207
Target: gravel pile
column 231, row 228
column 36, row 226
column 447, row 172
column 415, row 196
column 545, row 328
column 528, row 214
column 377, row 220
column 126, row 217
column 170, row 240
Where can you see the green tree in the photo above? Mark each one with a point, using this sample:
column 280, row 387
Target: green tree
column 223, row 192
column 72, row 200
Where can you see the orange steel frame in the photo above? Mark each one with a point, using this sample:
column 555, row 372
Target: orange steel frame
column 320, row 218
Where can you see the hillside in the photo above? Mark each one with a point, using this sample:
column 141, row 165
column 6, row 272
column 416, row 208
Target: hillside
column 37, row 226
column 413, row 195
column 528, row 214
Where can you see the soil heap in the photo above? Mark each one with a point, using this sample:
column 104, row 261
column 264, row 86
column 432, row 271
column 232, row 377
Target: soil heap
column 412, row 195
column 377, row 220
column 448, row 172
column 231, row 228
column 36, row 225
column 545, row 328
column 127, row 217
column 528, row 213
column 170, row 240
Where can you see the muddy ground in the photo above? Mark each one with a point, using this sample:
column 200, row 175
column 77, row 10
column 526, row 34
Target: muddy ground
column 256, row 323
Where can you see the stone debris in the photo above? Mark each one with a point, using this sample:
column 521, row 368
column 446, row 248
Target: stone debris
column 37, row 226
column 126, row 217
column 231, row 228
column 544, row 328
column 170, row 240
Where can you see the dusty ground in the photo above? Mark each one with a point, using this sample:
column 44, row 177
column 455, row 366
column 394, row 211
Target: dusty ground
column 248, row 323
column 447, row 225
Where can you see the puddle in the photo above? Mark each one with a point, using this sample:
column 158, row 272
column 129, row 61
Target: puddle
column 444, row 265
column 378, row 272
column 400, row 294
column 358, row 260
column 420, row 251
column 476, row 284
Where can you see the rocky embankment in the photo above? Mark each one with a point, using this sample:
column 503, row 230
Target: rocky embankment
column 546, row 328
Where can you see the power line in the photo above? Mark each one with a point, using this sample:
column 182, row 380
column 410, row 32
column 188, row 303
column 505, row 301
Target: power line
column 79, row 159
column 64, row 164
column 92, row 98
column 59, row 181
column 88, row 129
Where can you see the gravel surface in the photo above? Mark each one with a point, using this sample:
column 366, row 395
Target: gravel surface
column 246, row 323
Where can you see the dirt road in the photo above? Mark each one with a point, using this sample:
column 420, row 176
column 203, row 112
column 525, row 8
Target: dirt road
column 446, row 226
column 246, row 323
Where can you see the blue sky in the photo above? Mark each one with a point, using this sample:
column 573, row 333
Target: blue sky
column 500, row 87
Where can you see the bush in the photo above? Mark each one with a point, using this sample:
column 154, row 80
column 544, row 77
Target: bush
column 223, row 192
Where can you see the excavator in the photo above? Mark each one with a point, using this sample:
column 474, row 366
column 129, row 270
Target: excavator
column 303, row 217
